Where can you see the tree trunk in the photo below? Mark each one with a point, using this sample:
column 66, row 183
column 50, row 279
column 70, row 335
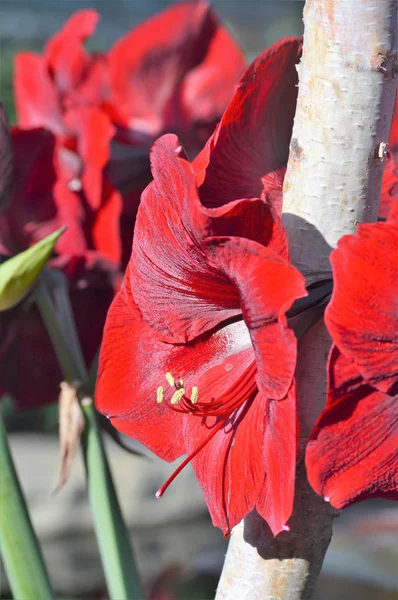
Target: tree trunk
column 343, row 118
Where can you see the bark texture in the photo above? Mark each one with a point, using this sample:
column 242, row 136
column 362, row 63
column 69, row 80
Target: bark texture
column 347, row 87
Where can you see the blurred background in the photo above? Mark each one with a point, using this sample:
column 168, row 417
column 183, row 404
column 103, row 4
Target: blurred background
column 179, row 553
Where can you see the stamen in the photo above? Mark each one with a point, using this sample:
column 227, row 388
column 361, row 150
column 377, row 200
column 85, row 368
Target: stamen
column 160, row 395
column 170, row 480
column 180, row 384
column 194, row 394
column 176, row 397
column 170, row 379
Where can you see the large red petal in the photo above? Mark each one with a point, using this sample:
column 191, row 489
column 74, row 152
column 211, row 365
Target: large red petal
column 353, row 451
column 36, row 98
column 65, row 54
column 134, row 362
column 254, row 134
column 362, row 316
column 267, row 286
column 178, row 292
column 230, row 468
column 209, row 87
column 275, row 503
column 147, row 66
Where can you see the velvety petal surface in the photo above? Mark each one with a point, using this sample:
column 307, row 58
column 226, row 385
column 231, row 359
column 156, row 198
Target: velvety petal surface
column 362, row 316
column 179, row 293
column 275, row 502
column 230, row 468
column 254, row 134
column 133, row 364
column 353, row 451
column 267, row 286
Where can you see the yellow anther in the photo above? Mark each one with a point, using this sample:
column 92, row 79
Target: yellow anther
column 180, row 384
column 170, row 379
column 160, row 394
column 194, row 394
column 176, row 397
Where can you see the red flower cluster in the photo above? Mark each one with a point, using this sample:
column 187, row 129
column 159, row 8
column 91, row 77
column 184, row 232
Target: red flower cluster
column 86, row 122
column 191, row 358
column 175, row 72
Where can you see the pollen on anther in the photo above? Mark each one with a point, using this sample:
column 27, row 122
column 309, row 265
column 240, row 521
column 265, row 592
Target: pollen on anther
column 159, row 394
column 176, row 397
column 170, row 379
column 194, row 394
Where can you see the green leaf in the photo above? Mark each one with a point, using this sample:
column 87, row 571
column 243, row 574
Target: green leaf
column 19, row 273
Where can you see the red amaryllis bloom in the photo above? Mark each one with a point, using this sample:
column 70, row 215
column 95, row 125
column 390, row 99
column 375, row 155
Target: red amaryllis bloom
column 41, row 202
column 197, row 357
column 175, row 72
column 353, row 451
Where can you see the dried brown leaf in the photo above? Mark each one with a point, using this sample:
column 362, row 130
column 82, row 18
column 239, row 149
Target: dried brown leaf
column 71, row 425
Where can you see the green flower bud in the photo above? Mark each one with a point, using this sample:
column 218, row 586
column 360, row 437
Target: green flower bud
column 19, row 273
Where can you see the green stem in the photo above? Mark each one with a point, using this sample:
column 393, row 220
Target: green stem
column 120, row 569
column 117, row 557
column 20, row 549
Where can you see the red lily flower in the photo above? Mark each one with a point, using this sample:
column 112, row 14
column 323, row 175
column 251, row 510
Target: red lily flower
column 353, row 451
column 41, row 202
column 197, row 356
column 168, row 74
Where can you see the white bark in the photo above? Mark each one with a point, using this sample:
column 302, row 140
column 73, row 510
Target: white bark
column 344, row 110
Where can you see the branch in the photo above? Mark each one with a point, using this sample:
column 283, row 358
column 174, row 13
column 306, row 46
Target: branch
column 333, row 181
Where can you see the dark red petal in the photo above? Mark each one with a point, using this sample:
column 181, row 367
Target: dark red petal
column 176, row 290
column 353, row 451
column 95, row 131
column 209, row 87
column 254, row 135
column 134, row 362
column 275, row 503
column 147, row 65
column 32, row 212
column 230, row 468
column 362, row 316
column 268, row 286
column 65, row 55
column 35, row 95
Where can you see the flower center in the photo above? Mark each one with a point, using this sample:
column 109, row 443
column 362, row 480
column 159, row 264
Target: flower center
column 242, row 390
